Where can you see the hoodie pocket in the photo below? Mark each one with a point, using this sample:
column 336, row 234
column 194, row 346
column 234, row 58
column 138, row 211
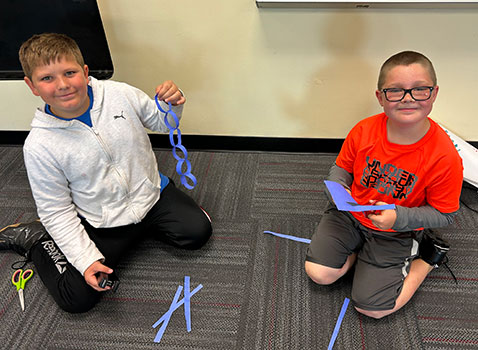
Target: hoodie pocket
column 132, row 208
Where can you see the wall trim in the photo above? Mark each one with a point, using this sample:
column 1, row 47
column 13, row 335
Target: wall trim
column 251, row 143
column 220, row 143
column 12, row 138
column 225, row 143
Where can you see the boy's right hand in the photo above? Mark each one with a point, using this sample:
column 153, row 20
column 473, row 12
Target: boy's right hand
column 95, row 273
column 383, row 219
column 169, row 92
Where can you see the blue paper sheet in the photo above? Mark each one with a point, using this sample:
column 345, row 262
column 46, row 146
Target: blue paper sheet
column 344, row 201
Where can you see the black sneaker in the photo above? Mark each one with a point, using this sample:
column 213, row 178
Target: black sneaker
column 21, row 237
column 433, row 250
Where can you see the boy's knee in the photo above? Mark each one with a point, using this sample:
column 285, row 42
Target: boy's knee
column 374, row 304
column 321, row 274
column 77, row 307
column 373, row 299
column 77, row 304
column 203, row 234
column 77, row 299
column 198, row 234
column 377, row 314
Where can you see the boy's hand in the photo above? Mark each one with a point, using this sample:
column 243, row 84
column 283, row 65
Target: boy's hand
column 383, row 219
column 169, row 92
column 95, row 273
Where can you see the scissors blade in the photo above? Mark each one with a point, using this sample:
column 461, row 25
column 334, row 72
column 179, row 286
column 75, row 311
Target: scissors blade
column 22, row 300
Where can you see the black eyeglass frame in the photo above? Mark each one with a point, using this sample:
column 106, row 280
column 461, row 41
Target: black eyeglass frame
column 409, row 91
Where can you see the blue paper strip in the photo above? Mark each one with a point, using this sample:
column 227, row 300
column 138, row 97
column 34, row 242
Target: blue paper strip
column 187, row 303
column 293, row 238
column 167, row 316
column 176, row 305
column 345, row 202
column 339, row 322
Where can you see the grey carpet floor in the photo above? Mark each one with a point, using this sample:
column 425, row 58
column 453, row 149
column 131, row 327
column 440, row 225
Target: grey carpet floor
column 255, row 293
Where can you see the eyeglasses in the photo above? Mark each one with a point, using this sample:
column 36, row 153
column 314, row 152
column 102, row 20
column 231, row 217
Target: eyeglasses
column 421, row 93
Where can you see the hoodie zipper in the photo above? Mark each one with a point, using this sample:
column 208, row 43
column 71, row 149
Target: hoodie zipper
column 121, row 178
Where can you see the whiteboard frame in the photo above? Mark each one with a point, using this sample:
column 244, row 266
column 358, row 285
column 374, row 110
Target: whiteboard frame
column 371, row 4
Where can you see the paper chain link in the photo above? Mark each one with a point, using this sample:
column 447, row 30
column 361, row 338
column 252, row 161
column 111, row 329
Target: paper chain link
column 177, row 145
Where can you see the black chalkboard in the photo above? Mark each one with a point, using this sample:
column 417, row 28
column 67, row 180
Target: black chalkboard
column 79, row 19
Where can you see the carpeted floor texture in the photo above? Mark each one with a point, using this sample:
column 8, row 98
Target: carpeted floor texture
column 255, row 292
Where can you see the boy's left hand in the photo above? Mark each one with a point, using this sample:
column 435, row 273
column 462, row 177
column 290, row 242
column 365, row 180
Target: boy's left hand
column 169, row 92
column 383, row 219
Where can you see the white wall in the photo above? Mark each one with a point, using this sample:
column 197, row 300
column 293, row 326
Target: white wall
column 270, row 72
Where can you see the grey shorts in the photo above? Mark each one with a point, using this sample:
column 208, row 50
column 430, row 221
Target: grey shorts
column 383, row 258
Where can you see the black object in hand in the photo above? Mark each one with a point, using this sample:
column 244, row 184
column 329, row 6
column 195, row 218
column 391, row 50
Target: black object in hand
column 106, row 282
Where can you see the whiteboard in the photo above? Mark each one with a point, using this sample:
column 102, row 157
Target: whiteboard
column 431, row 4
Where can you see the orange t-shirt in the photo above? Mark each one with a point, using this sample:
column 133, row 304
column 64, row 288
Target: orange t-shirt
column 429, row 171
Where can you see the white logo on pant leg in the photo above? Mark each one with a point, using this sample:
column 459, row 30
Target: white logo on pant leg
column 58, row 258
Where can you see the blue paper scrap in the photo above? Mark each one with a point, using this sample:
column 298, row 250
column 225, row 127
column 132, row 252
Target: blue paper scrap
column 339, row 322
column 345, row 202
column 187, row 303
column 167, row 316
column 293, row 238
column 176, row 303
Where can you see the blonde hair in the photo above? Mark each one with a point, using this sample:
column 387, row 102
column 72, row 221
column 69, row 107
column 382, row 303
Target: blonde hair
column 42, row 49
column 405, row 58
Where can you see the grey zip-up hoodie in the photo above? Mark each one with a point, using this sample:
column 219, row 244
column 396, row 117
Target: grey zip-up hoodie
column 108, row 173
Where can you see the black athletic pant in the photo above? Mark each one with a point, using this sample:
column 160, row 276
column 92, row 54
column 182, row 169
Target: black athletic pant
column 175, row 219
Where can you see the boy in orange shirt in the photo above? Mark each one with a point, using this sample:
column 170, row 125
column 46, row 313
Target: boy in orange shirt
column 399, row 157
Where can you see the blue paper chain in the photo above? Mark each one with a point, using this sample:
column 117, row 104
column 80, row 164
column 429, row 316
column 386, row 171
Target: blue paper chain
column 177, row 145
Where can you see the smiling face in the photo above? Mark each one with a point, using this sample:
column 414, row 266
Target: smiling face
column 407, row 112
column 62, row 84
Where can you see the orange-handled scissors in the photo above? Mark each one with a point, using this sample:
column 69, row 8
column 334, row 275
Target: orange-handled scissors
column 19, row 279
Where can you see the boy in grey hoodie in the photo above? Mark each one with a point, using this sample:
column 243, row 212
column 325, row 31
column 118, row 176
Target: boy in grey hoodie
column 93, row 174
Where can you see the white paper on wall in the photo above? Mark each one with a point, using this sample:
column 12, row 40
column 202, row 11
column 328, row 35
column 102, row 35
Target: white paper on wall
column 468, row 154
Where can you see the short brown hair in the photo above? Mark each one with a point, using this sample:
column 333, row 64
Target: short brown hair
column 42, row 49
column 405, row 58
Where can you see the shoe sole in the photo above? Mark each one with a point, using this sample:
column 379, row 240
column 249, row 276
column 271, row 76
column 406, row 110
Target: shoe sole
column 205, row 213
